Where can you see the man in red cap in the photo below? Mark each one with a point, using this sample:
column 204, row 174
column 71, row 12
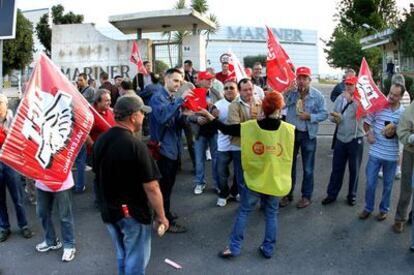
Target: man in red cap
column 205, row 135
column 305, row 109
column 348, row 143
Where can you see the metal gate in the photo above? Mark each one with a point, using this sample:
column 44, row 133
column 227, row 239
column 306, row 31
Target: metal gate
column 167, row 53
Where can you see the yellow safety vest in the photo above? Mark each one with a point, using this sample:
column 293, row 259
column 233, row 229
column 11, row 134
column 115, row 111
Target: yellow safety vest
column 267, row 157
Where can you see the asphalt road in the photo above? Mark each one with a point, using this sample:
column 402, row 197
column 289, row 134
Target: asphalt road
column 316, row 240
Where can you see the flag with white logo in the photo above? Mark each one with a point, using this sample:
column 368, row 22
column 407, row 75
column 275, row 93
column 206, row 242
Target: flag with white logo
column 236, row 70
column 136, row 59
column 51, row 124
column 279, row 68
column 368, row 95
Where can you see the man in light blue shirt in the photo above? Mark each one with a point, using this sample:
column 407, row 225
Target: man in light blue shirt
column 305, row 109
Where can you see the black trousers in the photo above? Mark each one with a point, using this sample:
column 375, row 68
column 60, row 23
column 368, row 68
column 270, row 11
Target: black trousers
column 168, row 169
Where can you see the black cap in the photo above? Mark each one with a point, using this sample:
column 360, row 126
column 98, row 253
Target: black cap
column 127, row 105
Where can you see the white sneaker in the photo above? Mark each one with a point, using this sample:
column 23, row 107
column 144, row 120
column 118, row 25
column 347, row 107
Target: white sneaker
column 198, row 190
column 380, row 174
column 398, row 175
column 208, row 155
column 221, row 202
column 88, row 168
column 44, row 247
column 68, row 254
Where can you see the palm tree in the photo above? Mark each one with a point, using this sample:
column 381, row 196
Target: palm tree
column 212, row 18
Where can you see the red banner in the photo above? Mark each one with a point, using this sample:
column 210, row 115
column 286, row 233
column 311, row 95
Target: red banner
column 50, row 126
column 368, row 95
column 136, row 59
column 279, row 68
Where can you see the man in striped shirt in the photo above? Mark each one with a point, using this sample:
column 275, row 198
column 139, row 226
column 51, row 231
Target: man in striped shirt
column 383, row 152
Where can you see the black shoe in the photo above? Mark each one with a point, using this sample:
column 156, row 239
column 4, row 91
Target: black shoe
column 351, row 201
column 173, row 216
column 26, row 232
column 328, row 200
column 261, row 250
column 4, row 235
column 177, row 228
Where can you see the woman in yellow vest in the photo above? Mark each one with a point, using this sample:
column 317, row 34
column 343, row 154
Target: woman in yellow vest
column 267, row 154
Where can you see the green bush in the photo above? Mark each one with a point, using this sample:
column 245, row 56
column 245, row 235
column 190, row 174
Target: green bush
column 160, row 67
column 408, row 82
column 251, row 59
column 411, row 92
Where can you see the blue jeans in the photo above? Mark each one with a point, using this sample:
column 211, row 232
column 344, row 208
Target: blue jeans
column 80, row 171
column 373, row 167
column 200, row 146
column 223, row 161
column 307, row 148
column 238, row 170
column 133, row 245
column 248, row 202
column 350, row 152
column 11, row 179
column 63, row 201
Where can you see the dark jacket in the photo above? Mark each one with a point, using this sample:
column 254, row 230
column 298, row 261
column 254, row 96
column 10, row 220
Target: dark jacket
column 138, row 81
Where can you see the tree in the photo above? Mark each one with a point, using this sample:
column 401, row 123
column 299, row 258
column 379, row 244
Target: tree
column 18, row 52
column 344, row 49
column 177, row 37
column 404, row 33
column 43, row 30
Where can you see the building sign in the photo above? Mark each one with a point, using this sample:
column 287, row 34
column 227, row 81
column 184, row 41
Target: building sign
column 93, row 72
column 249, row 33
column 7, row 19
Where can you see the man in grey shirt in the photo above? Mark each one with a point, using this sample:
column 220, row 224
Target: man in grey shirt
column 84, row 87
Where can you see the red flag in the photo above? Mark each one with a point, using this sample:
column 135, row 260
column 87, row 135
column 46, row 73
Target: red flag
column 279, row 68
column 51, row 124
column 368, row 95
column 136, row 59
column 198, row 101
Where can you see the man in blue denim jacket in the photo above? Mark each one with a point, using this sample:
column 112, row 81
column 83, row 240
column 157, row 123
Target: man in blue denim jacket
column 166, row 122
column 305, row 109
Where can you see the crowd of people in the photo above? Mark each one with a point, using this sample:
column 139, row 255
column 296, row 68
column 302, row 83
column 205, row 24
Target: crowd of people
column 259, row 131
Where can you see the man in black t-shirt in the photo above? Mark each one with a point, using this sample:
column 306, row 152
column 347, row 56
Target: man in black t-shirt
column 127, row 183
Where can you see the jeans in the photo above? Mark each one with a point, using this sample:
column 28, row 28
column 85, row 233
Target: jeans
column 200, row 146
column 373, row 167
column 11, row 179
column 238, row 170
column 307, row 148
column 223, row 161
column 248, row 202
column 168, row 169
column 188, row 132
column 412, row 226
column 405, row 190
column 63, row 201
column 132, row 242
column 80, row 169
column 350, row 152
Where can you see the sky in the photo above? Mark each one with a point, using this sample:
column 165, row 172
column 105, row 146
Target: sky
column 294, row 14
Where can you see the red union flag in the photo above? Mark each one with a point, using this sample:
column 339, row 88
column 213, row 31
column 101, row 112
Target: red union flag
column 279, row 68
column 136, row 58
column 369, row 97
column 51, row 124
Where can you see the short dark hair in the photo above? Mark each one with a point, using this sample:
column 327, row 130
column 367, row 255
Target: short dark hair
column 145, row 62
column 243, row 81
column 172, row 71
column 104, row 75
column 83, row 75
column 126, row 85
column 118, row 76
column 188, row 62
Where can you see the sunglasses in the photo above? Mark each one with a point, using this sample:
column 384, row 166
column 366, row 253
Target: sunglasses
column 229, row 88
